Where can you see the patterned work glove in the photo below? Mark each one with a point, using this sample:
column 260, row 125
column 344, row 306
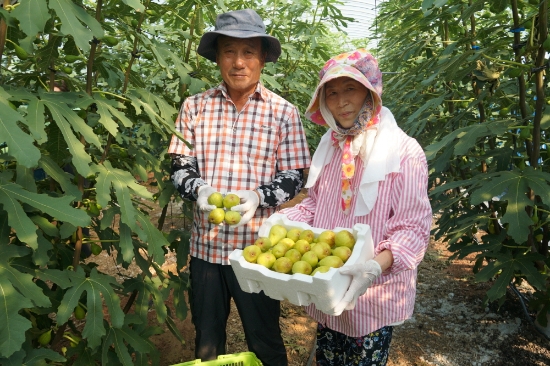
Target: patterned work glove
column 248, row 206
column 364, row 275
column 202, row 200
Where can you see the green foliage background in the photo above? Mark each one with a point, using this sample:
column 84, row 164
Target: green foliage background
column 471, row 85
column 70, row 161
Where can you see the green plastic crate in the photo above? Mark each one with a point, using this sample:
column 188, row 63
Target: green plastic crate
column 235, row 359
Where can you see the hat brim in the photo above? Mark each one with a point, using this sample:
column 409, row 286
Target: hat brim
column 207, row 44
column 313, row 111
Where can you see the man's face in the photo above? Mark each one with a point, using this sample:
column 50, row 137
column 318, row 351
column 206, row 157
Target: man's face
column 241, row 62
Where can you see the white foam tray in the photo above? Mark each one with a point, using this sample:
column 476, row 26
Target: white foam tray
column 324, row 290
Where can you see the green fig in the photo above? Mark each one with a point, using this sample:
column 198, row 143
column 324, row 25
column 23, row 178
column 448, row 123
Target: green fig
column 342, row 252
column 20, row 52
column 331, row 261
column 276, row 233
column 320, row 269
column 231, row 200
column 307, row 235
column 322, row 250
column 79, row 312
column 288, row 242
column 45, row 338
column 327, row 236
column 525, row 133
column 302, row 267
column 279, row 250
column 147, row 56
column 94, row 210
column 251, row 253
column 344, row 238
column 216, row 199
column 266, row 259
column 264, row 243
column 71, row 58
column 311, row 258
column 293, row 234
column 302, row 246
column 293, row 254
column 232, row 217
column 283, row 265
column 96, row 249
column 216, row 216
column 110, row 41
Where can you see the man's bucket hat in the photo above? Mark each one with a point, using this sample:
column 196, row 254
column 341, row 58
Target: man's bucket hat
column 244, row 23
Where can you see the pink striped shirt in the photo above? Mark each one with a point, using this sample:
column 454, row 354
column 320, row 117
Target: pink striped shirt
column 400, row 221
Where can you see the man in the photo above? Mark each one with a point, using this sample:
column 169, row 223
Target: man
column 248, row 141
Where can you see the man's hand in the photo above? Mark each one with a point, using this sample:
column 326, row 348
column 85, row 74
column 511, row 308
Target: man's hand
column 249, row 203
column 364, row 275
column 202, row 200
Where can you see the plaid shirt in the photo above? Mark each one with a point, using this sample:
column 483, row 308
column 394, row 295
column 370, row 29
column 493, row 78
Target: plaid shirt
column 237, row 151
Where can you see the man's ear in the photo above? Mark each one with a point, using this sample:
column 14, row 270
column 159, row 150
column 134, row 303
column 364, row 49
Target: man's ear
column 264, row 57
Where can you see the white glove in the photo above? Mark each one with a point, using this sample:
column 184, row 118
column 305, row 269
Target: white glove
column 202, row 199
column 249, row 203
column 364, row 275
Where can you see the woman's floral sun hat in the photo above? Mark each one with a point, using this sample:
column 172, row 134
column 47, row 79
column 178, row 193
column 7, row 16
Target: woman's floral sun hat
column 359, row 65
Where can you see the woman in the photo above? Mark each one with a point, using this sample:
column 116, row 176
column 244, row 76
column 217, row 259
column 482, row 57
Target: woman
column 365, row 170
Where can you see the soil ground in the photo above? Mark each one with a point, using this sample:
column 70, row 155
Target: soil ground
column 450, row 326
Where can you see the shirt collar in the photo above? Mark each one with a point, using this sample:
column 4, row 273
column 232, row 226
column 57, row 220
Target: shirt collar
column 260, row 92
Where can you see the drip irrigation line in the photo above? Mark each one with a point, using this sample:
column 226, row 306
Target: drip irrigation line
column 526, row 312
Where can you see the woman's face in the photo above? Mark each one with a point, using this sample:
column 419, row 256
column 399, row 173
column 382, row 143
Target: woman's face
column 345, row 98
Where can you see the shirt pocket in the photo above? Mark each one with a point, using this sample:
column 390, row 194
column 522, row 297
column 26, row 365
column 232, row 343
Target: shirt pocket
column 262, row 144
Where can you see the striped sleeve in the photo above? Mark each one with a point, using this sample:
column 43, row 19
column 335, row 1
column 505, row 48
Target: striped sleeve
column 304, row 211
column 407, row 231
